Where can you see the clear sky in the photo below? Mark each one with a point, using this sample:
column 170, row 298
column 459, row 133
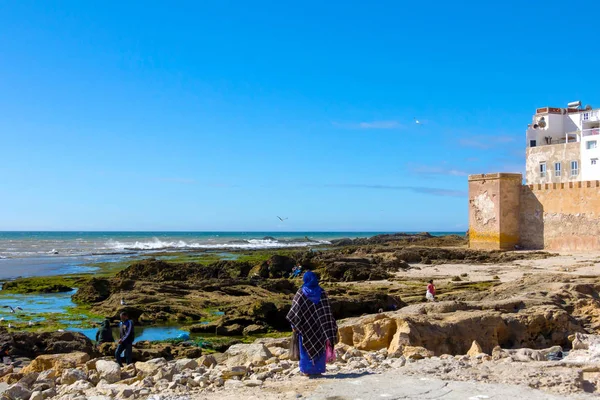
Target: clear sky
column 220, row 115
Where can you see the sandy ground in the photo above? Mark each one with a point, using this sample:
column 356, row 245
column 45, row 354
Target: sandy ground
column 565, row 263
column 389, row 385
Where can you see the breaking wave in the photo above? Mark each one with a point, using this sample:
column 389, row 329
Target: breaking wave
column 157, row 244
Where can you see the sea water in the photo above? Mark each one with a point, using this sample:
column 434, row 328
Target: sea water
column 53, row 253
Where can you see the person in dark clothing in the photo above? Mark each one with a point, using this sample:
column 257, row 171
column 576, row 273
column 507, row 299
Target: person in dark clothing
column 126, row 340
column 5, row 354
column 104, row 334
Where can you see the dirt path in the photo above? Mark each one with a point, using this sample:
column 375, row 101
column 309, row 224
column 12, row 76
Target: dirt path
column 391, row 385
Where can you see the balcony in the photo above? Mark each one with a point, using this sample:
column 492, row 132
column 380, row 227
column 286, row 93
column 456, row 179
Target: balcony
column 590, row 132
column 590, row 116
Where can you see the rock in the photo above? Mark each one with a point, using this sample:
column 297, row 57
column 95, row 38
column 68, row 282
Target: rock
column 270, row 343
column 108, row 370
column 17, row 392
column 29, row 379
column 254, row 330
column 149, row 368
column 252, row 383
column 498, row 353
column 5, row 370
column 230, row 330
column 186, row 363
column 234, row 371
column 58, row 362
column 165, row 372
column 94, row 377
column 77, row 387
column 49, row 393
column 580, row 341
column 475, row 349
column 416, row 352
column 525, row 355
column 73, row 375
column 13, row 378
column 125, row 393
column 36, row 396
column 243, row 354
column 502, row 322
column 207, row 361
column 48, row 374
column 33, row 344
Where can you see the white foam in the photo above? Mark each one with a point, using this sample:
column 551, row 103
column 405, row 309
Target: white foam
column 157, row 244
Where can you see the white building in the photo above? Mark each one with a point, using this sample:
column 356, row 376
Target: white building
column 563, row 145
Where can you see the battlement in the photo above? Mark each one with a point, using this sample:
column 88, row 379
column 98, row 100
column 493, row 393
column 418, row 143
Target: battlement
column 564, row 185
column 504, row 214
column 497, row 175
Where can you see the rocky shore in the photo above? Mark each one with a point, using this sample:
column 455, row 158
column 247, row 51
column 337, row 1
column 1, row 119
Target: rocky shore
column 265, row 365
column 513, row 318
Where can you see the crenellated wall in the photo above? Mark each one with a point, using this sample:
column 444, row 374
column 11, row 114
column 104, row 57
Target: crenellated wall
column 561, row 216
column 555, row 216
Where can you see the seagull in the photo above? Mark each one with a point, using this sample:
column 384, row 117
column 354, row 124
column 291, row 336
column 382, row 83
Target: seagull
column 30, row 323
column 417, row 121
column 12, row 310
column 61, row 330
column 123, row 302
column 281, row 219
column 2, row 319
column 10, row 326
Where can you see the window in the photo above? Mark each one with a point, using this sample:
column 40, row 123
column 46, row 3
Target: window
column 574, row 168
column 592, row 144
column 543, row 169
column 532, row 143
column 557, row 169
column 594, row 161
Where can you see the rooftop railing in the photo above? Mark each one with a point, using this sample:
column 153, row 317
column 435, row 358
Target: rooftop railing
column 590, row 132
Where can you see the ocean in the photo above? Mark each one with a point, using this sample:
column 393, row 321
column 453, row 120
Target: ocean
column 52, row 253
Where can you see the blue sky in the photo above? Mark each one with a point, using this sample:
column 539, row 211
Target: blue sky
column 220, row 115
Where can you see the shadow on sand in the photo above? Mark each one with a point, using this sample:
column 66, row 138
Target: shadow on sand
column 332, row 375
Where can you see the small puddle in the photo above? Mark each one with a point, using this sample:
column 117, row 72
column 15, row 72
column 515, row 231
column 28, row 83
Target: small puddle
column 33, row 304
column 142, row 333
column 55, row 306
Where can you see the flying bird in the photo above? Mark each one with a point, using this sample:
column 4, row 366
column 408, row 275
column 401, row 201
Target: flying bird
column 281, row 219
column 417, row 121
column 12, row 310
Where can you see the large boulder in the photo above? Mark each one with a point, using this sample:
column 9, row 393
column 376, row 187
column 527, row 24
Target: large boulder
column 108, row 370
column 32, row 344
column 151, row 367
column 94, row 291
column 247, row 354
column 72, row 375
column 56, row 362
column 17, row 392
column 535, row 327
column 185, row 363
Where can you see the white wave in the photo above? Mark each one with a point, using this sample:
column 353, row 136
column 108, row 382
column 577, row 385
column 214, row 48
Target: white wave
column 157, row 244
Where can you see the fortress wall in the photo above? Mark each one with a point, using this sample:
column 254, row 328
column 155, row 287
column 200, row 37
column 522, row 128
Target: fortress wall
column 493, row 211
column 560, row 216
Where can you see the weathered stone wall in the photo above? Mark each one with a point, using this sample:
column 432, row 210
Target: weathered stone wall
column 493, row 210
column 561, row 216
